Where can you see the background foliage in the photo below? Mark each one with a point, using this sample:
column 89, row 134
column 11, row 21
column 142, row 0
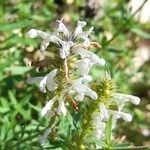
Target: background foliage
column 115, row 29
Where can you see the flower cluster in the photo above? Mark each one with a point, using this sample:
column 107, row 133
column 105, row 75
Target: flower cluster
column 75, row 81
column 68, row 84
column 110, row 105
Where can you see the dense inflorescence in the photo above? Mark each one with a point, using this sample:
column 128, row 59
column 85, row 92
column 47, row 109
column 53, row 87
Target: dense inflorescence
column 70, row 82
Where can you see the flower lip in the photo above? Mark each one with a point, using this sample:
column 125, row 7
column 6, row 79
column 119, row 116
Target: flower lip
column 47, row 108
column 62, row 28
column 32, row 33
column 126, row 97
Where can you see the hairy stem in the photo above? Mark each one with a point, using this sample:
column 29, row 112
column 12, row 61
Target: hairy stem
column 66, row 70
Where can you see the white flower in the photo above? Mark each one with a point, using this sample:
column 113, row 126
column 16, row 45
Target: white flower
column 90, row 55
column 44, row 45
column 62, row 108
column 66, row 43
column 64, row 51
column 37, row 33
column 120, row 99
column 79, row 27
column 47, row 81
column 65, row 46
column 87, row 61
column 62, row 28
column 33, row 80
column 125, row 97
column 45, row 36
column 81, row 89
column 100, row 130
column 84, row 66
column 118, row 114
column 103, row 112
column 47, row 108
column 85, row 36
column 99, row 126
column 43, row 138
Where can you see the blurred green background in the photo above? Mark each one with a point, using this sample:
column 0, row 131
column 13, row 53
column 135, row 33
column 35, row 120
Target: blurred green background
column 125, row 39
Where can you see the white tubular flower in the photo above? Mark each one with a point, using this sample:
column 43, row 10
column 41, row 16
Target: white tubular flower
column 37, row 33
column 84, row 66
column 47, row 108
column 62, row 108
column 47, row 81
column 62, row 28
column 127, row 117
column 33, row 80
column 103, row 112
column 85, row 36
column 87, row 54
column 80, row 89
column 125, row 97
column 33, row 33
column 120, row 99
column 99, row 126
column 44, row 45
column 64, row 51
column 43, row 138
column 100, row 130
column 118, row 114
column 65, row 46
column 79, row 27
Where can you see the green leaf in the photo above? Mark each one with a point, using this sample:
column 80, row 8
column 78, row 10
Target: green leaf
column 141, row 33
column 12, row 97
column 34, row 107
column 108, row 131
column 18, row 70
column 14, row 25
column 121, row 146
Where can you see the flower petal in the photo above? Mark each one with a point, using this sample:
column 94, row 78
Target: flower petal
column 83, row 66
column 44, row 45
column 62, row 107
column 126, row 117
column 32, row 33
column 62, row 28
column 42, row 84
column 50, row 82
column 79, row 97
column 103, row 112
column 122, row 98
column 37, row 33
column 47, row 108
column 87, row 54
column 79, row 27
column 81, row 89
column 33, row 80
column 43, row 138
